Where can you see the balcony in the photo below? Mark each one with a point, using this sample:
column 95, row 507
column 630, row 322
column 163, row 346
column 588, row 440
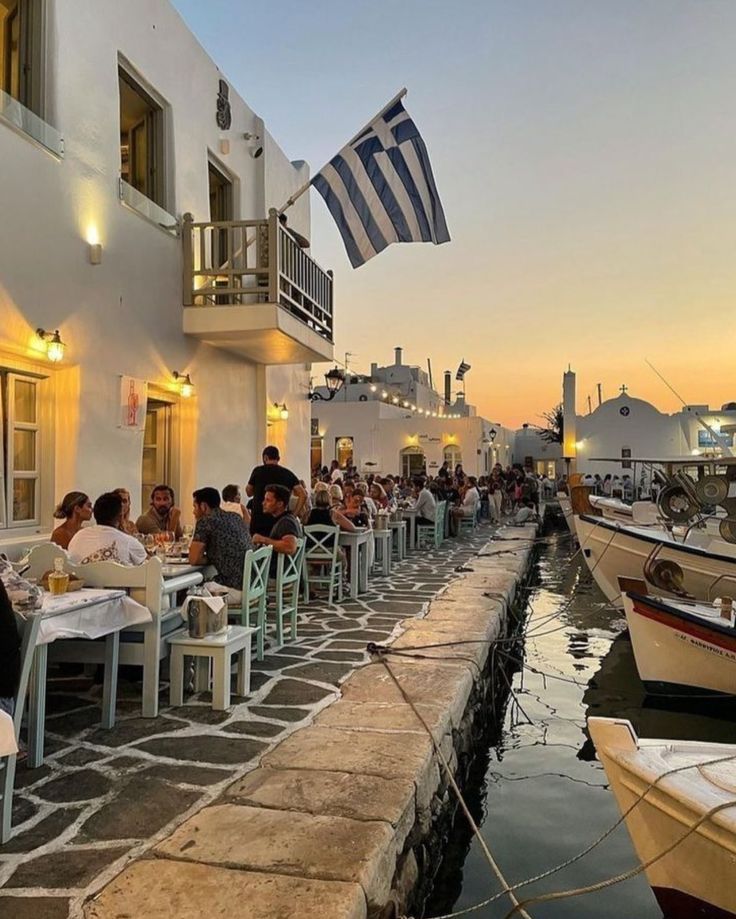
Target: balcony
column 249, row 288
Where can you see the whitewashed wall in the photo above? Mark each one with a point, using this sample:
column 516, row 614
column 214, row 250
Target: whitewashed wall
column 125, row 315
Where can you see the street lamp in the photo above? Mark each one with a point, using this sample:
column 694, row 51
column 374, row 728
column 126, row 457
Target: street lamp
column 492, row 434
column 334, row 380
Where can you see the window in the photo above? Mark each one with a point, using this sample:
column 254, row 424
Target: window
column 142, row 162
column 22, row 57
column 19, row 471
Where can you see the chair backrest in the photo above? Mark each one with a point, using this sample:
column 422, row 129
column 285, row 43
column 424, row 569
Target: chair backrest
column 143, row 582
column 321, row 542
column 41, row 559
column 255, row 574
column 29, row 630
column 289, row 567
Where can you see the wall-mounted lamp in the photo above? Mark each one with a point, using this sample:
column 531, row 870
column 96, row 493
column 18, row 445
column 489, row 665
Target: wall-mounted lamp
column 281, row 410
column 334, row 380
column 95, row 253
column 255, row 147
column 54, row 345
column 186, row 387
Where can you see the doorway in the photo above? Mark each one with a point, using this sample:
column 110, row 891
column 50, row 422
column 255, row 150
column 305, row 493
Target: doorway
column 156, row 467
column 413, row 462
column 221, row 211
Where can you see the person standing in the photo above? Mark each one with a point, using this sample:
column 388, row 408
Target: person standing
column 271, row 472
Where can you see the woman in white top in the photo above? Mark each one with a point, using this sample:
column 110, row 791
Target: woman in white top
column 105, row 541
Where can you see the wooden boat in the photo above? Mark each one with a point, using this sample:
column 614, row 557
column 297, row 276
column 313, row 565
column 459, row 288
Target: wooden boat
column 672, row 567
column 697, row 879
column 680, row 646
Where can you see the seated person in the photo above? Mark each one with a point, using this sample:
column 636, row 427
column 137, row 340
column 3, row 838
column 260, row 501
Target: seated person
column 468, row 505
column 105, row 541
column 220, row 539
column 163, row 516
column 233, row 503
column 325, row 515
column 9, row 654
column 75, row 509
column 425, row 506
column 126, row 524
column 286, row 528
column 356, row 511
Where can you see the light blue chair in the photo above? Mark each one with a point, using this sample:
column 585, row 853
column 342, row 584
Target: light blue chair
column 433, row 534
column 322, row 560
column 29, row 628
column 287, row 585
column 255, row 594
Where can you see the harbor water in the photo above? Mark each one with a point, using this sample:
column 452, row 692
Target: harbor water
column 537, row 791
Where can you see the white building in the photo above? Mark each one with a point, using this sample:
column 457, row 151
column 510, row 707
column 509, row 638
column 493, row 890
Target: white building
column 393, row 421
column 626, row 426
column 114, row 125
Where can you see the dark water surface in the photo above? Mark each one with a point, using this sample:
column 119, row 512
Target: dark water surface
column 539, row 794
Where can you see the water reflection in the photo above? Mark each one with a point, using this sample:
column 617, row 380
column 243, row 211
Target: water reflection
column 538, row 790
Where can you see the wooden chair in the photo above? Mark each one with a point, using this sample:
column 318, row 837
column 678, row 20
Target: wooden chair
column 434, row 533
column 255, row 594
column 41, row 559
column 29, row 628
column 322, row 560
column 469, row 523
column 288, row 581
column 142, row 645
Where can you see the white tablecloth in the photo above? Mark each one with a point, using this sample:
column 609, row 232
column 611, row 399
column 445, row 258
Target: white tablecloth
column 88, row 613
column 8, row 746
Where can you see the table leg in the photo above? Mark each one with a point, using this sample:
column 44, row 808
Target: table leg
column 221, row 680
column 201, row 674
column 354, row 555
column 404, row 547
column 363, row 574
column 110, row 686
column 37, row 706
column 412, row 534
column 176, row 676
column 243, row 685
column 386, row 559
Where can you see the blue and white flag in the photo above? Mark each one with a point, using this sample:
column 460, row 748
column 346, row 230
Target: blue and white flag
column 462, row 370
column 380, row 188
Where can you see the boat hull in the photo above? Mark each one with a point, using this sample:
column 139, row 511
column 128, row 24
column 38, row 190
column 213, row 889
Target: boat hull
column 612, row 550
column 698, row 877
column 675, row 651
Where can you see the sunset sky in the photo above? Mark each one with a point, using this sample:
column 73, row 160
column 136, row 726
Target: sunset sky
column 585, row 153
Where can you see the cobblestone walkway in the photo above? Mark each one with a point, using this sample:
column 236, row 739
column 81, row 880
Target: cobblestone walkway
column 104, row 796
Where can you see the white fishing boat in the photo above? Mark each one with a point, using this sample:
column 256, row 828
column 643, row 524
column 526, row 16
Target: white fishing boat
column 697, row 878
column 681, row 646
column 701, row 568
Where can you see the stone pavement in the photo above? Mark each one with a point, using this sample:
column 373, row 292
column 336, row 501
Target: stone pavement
column 104, row 797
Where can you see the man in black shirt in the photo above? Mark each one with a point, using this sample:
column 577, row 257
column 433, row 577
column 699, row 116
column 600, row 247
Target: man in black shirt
column 220, row 539
column 9, row 653
column 271, row 473
column 286, row 528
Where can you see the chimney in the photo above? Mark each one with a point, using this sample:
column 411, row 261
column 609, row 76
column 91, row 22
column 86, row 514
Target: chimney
column 374, row 371
column 398, row 354
column 448, row 387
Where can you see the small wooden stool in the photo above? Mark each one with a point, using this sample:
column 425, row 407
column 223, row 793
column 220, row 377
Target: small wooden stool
column 220, row 649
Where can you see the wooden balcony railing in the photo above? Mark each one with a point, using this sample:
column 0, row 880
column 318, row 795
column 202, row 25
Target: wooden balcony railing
column 243, row 262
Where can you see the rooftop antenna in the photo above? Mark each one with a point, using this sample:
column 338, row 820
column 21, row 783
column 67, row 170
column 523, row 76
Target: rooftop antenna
column 600, row 394
column 590, row 406
column 429, row 368
column 718, row 438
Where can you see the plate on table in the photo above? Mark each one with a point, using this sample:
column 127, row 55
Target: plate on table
column 176, row 560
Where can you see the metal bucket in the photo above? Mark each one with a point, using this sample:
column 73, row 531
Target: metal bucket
column 202, row 621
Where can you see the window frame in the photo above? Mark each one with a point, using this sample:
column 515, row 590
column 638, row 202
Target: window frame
column 11, row 475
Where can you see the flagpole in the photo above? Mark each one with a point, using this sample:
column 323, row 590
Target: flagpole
column 300, row 191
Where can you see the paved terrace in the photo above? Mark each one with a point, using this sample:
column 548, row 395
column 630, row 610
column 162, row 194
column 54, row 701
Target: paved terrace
column 103, row 797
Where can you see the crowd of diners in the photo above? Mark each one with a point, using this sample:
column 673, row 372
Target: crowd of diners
column 274, row 507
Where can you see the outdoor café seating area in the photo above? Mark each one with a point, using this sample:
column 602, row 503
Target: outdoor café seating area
column 128, row 641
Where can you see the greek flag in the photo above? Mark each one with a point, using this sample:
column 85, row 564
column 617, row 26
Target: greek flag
column 462, row 370
column 380, row 188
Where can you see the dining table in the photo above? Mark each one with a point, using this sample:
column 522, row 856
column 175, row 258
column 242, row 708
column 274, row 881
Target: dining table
column 357, row 542
column 88, row 613
column 410, row 514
